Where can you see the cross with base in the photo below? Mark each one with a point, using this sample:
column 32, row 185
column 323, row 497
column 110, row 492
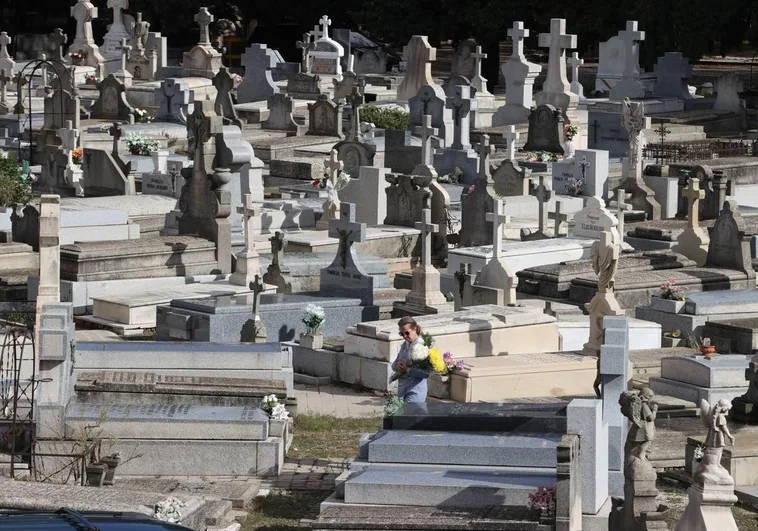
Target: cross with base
column 333, row 165
column 355, row 99
column 425, row 130
column 498, row 218
column 510, row 137
column 461, row 104
column 204, row 20
column 248, row 212
column 4, row 80
column 347, row 230
column 630, row 37
column 277, row 248
column 115, row 132
column 559, row 218
column 478, row 56
column 125, row 49
column 621, row 206
column 517, row 34
column 558, row 41
column 316, row 33
column 694, row 194
column 543, row 195
column 325, row 22
column 306, row 45
column 427, row 228
column 257, row 288
column 484, row 149
column 575, row 63
column 59, row 39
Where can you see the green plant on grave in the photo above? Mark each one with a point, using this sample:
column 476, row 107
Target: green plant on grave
column 15, row 182
column 384, row 118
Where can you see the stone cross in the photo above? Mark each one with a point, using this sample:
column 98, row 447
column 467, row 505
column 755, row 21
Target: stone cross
column 498, row 219
column 306, row 45
column 331, row 208
column 325, row 22
column 333, row 165
column 461, row 104
column 517, row 34
column 543, row 195
column 427, row 228
column 694, row 194
column 621, row 206
column 49, row 290
column 575, row 62
column 115, row 132
column 248, row 212
column 630, row 37
column 257, row 288
column 5, row 40
column 4, row 80
column 125, row 49
column 484, row 149
column 68, row 136
column 204, row 20
column 355, row 99
column 277, row 248
column 316, row 32
column 59, row 40
column 425, row 130
column 477, row 80
column 117, row 6
column 559, row 218
column 347, row 230
column 511, row 136
column 84, row 13
column 558, row 41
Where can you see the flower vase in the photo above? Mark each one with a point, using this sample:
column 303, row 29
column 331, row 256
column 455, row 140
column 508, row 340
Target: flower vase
column 666, row 305
column 96, row 474
column 568, row 149
column 312, row 340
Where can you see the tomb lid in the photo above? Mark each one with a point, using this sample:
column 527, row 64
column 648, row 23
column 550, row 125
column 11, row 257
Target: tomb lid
column 269, row 301
column 721, row 302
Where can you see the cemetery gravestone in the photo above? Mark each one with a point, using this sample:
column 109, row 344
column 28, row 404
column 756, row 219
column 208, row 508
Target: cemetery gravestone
column 112, row 103
column 258, row 84
column 630, row 85
column 276, row 274
column 85, row 12
column 369, row 194
column 556, row 90
column 543, row 195
column 459, row 153
column 584, row 174
column 729, row 248
column 174, row 98
column 431, row 100
column 354, row 151
column 546, row 124
column 280, row 118
column 693, row 241
column 325, row 118
column 728, row 87
column 576, row 87
column 117, row 31
column 621, row 207
column 418, row 55
column 475, row 229
column 326, row 55
column 594, row 219
column 331, row 208
column 304, row 86
column 519, row 75
column 672, row 72
column 7, row 64
column 248, row 267
column 224, row 104
column 203, row 60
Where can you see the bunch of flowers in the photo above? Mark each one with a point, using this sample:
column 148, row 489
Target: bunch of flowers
column 90, row 79
column 541, row 156
column 313, row 319
column 237, row 80
column 81, row 55
column 274, row 408
column 670, row 291
column 169, row 510
column 343, row 179
column 575, row 185
column 699, row 452
column 570, row 131
column 141, row 116
column 424, row 357
column 77, row 156
column 393, row 404
column 451, row 363
column 139, row 145
column 543, row 500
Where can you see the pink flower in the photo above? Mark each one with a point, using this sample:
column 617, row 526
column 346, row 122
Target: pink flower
column 471, row 189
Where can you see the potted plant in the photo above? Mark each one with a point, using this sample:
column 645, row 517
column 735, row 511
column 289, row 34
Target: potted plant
column 111, row 461
column 313, row 320
column 78, row 57
column 706, row 349
column 15, row 186
column 670, row 299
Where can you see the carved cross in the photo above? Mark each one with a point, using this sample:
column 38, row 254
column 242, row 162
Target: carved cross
column 355, row 99
column 115, row 132
column 333, row 165
column 325, row 22
column 517, row 34
column 461, row 104
column 4, row 80
column 630, row 37
column 694, row 194
column 499, row 219
column 117, row 6
column 316, row 32
column 248, row 212
column 558, row 41
column 584, row 164
column 277, row 248
column 257, row 288
column 575, row 62
column 84, row 12
column 621, row 206
column 559, row 218
column 306, row 45
column 59, row 40
column 478, row 56
column 543, row 195
column 483, row 148
column 510, row 137
column 347, row 230
column 427, row 228
column 425, row 130
column 125, row 49
column 204, row 20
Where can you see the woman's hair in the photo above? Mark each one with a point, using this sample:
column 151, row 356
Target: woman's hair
column 408, row 320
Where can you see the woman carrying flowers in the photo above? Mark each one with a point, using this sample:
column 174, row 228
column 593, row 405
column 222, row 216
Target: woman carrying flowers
column 412, row 385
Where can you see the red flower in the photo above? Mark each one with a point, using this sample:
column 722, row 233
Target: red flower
column 316, row 183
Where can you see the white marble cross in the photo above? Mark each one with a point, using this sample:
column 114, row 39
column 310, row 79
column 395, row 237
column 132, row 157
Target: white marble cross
column 621, row 206
column 575, row 62
column 333, row 165
column 325, row 22
column 630, row 37
column 517, row 34
column 559, row 218
column 543, row 195
column 204, row 20
column 558, row 41
column 125, row 49
column 248, row 211
column 499, row 219
column 316, row 32
column 425, row 130
column 84, row 12
column 427, row 228
column 694, row 194
column 477, row 80
column 461, row 104
column 117, row 6
column 511, row 136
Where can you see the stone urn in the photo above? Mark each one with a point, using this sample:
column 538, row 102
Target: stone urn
column 96, row 474
column 111, row 462
column 312, row 341
column 666, row 305
column 569, row 149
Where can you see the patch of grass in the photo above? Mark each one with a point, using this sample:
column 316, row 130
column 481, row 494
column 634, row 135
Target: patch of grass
column 325, row 436
column 675, row 497
column 282, row 511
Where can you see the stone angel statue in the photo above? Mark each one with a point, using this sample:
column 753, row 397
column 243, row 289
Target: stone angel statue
column 710, row 471
column 639, row 408
column 605, row 256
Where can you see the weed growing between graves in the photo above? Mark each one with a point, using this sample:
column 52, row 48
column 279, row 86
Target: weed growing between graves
column 328, row 437
column 283, row 510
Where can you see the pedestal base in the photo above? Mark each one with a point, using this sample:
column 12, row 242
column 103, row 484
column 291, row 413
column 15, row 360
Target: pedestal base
column 709, row 509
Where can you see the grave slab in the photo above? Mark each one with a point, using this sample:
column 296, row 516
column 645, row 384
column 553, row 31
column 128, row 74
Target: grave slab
column 737, row 336
column 699, row 378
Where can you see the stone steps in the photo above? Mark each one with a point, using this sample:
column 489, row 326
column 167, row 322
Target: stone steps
column 481, row 449
column 442, row 487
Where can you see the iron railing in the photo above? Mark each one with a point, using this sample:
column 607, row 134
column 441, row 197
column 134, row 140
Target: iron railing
column 673, row 152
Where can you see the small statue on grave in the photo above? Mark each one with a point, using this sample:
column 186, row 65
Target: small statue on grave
column 638, row 407
column 710, row 471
